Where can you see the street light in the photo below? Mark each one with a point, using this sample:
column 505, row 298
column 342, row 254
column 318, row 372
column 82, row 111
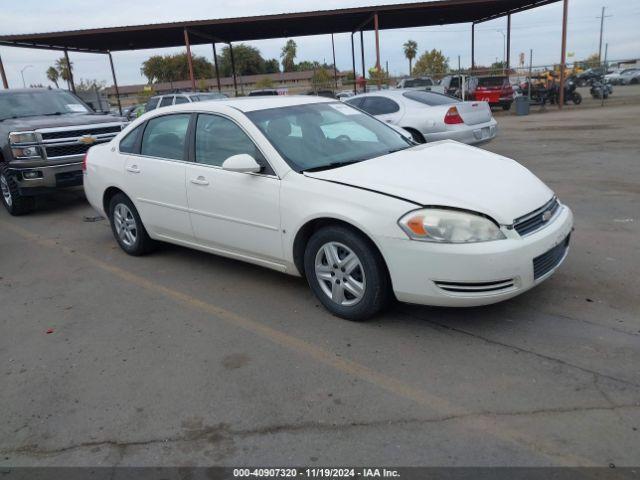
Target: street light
column 504, row 47
column 22, row 75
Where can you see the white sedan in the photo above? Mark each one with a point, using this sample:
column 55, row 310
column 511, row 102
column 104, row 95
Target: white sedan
column 313, row 187
column 430, row 116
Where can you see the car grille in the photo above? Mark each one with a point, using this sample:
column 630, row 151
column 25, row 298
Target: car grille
column 537, row 219
column 68, row 141
column 477, row 287
column 546, row 262
column 80, row 132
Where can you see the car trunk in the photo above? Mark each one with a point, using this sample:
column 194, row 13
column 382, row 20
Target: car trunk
column 474, row 113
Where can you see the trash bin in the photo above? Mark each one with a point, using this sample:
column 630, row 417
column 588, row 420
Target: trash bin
column 522, row 105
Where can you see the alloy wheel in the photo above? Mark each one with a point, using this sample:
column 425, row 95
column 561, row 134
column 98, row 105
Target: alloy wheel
column 340, row 274
column 6, row 192
column 125, row 224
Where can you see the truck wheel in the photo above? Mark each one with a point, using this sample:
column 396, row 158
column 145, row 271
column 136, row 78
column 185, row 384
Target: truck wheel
column 346, row 273
column 15, row 203
column 127, row 226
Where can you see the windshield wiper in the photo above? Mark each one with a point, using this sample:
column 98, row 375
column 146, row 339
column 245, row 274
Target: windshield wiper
column 329, row 166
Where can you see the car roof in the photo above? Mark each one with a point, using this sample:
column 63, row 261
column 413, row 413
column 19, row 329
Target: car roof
column 391, row 93
column 251, row 104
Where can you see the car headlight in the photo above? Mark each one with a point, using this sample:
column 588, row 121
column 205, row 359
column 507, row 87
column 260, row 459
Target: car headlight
column 23, row 137
column 26, row 152
column 449, row 226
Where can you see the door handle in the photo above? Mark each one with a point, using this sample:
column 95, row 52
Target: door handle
column 200, row 181
column 133, row 169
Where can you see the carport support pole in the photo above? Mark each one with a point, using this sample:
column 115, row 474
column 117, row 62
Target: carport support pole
column 364, row 72
column 66, row 58
column 215, row 64
column 473, row 47
column 335, row 69
column 563, row 55
column 376, row 25
column 189, row 60
column 115, row 82
column 233, row 69
column 5, row 84
column 353, row 60
column 508, row 65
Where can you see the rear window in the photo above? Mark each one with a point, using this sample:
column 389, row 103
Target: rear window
column 418, row 82
column 430, row 98
column 491, row 81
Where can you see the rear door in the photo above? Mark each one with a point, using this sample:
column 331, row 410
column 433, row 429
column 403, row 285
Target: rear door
column 154, row 177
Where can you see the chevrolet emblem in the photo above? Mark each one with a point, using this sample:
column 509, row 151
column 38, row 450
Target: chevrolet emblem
column 87, row 139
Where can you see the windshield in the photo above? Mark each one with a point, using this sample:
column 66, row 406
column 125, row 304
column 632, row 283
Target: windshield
column 430, row 98
column 491, row 81
column 326, row 135
column 418, row 82
column 39, row 102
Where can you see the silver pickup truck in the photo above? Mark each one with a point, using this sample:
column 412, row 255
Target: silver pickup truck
column 44, row 135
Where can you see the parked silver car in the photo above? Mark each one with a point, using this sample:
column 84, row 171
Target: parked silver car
column 430, row 116
column 630, row 76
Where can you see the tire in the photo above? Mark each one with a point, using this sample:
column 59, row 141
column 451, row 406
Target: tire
column 15, row 203
column 416, row 135
column 127, row 226
column 634, row 81
column 506, row 107
column 577, row 98
column 368, row 275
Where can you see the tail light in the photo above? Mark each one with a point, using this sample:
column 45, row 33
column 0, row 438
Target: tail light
column 452, row 117
column 84, row 162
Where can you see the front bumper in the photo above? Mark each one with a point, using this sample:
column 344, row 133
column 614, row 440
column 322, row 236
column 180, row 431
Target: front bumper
column 50, row 177
column 423, row 273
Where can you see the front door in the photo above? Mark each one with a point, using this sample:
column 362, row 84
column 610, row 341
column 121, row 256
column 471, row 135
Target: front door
column 155, row 177
column 233, row 213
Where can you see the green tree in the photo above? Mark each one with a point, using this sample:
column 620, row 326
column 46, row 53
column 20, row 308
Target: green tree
column 591, row 61
column 272, row 66
column 53, row 75
column 288, row 55
column 64, row 70
column 171, row 68
column 378, row 76
column 410, row 48
column 89, row 85
column 322, row 80
column 247, row 59
column 431, row 63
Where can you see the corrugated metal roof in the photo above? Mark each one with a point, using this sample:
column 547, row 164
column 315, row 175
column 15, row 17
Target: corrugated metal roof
column 161, row 35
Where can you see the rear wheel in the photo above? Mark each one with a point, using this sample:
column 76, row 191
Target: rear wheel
column 127, row 226
column 346, row 273
column 15, row 203
column 577, row 98
column 506, row 107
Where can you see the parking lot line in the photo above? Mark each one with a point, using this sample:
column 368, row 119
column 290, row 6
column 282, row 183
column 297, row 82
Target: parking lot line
column 444, row 407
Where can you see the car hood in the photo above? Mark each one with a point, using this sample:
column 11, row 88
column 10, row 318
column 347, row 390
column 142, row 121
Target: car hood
column 53, row 121
column 451, row 174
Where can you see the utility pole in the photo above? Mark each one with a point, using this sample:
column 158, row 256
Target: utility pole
column 602, row 17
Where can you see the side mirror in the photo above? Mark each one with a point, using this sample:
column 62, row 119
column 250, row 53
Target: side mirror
column 243, row 163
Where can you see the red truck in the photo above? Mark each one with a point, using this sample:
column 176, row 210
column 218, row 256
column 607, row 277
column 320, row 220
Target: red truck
column 497, row 91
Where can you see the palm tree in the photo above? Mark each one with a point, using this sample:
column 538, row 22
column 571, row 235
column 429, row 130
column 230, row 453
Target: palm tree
column 53, row 76
column 288, row 56
column 64, row 70
column 410, row 51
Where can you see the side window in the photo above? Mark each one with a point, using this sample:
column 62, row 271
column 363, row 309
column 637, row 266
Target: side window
column 151, row 104
column 165, row 136
column 166, row 101
column 128, row 143
column 180, row 100
column 379, row 105
column 218, row 138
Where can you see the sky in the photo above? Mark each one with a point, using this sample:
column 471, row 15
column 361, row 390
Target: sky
column 538, row 29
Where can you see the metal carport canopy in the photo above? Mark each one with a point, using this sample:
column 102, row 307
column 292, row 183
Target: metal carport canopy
column 162, row 35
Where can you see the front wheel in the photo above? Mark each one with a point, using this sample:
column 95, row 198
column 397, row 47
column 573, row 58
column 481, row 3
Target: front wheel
column 346, row 273
column 577, row 98
column 15, row 203
column 127, row 226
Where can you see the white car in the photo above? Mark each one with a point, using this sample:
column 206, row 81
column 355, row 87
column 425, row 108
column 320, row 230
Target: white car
column 313, row 187
column 430, row 116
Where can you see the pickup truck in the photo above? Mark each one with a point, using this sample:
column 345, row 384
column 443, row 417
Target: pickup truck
column 44, row 135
